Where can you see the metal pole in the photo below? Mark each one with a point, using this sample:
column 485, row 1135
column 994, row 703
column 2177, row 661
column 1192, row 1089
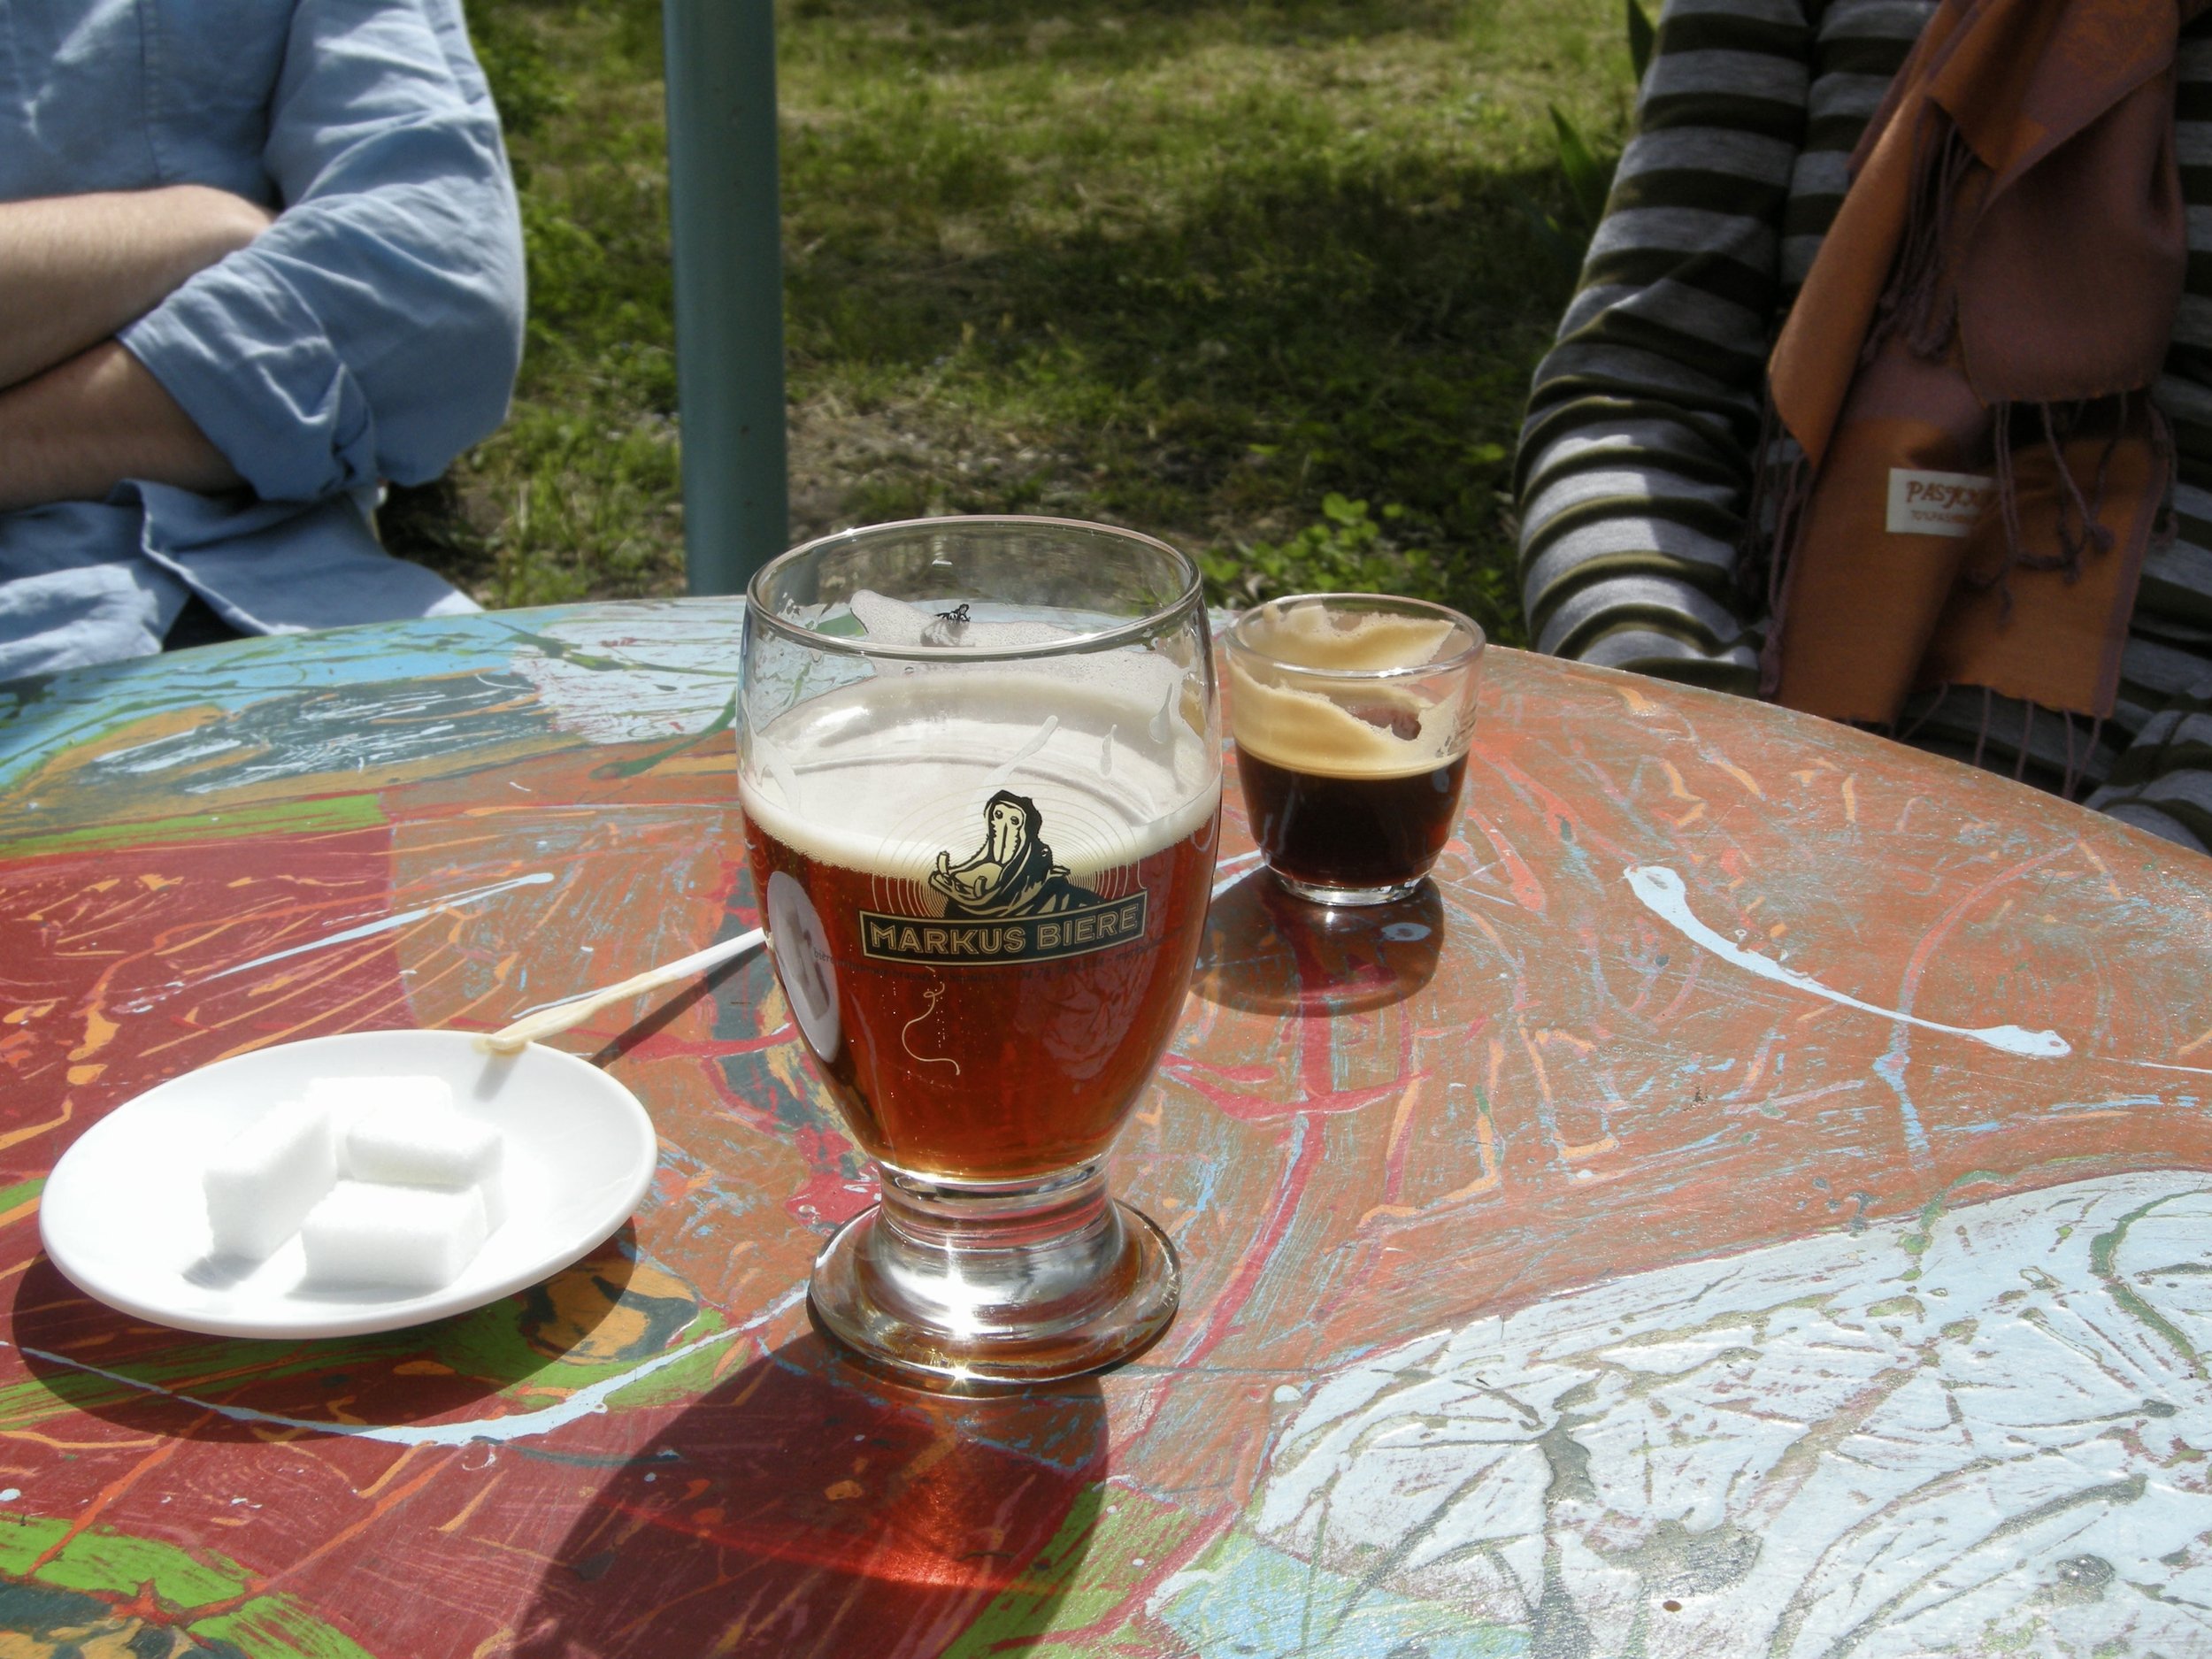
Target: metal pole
column 724, row 215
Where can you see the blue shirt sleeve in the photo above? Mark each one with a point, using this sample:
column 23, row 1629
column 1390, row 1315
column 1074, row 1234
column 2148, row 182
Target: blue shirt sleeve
column 374, row 331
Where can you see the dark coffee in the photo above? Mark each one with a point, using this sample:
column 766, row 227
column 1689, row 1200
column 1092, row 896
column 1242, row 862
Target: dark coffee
column 1349, row 832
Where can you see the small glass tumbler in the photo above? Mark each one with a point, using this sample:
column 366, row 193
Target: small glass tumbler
column 1352, row 715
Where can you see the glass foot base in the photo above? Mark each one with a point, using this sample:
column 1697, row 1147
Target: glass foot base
column 1389, row 894
column 981, row 1291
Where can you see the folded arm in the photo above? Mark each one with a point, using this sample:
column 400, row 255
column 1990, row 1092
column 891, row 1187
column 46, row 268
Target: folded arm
column 78, row 413
column 373, row 332
column 74, row 269
column 81, row 428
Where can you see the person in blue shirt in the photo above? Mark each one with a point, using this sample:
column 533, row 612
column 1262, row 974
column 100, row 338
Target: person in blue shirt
column 257, row 259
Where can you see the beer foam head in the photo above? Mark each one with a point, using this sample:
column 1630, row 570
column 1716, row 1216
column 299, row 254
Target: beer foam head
column 897, row 773
column 1320, row 690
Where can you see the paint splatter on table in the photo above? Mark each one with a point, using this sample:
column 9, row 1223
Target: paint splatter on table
column 1799, row 1247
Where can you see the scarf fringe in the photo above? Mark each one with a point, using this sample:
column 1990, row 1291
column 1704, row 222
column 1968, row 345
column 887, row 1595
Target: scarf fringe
column 2166, row 456
column 2081, row 733
column 1917, row 299
column 1779, row 493
column 2080, row 534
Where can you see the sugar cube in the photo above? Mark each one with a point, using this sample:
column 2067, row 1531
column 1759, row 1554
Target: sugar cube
column 267, row 1177
column 411, row 1238
column 420, row 1145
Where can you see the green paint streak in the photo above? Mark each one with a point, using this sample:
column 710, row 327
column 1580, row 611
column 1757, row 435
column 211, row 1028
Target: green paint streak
column 569, row 651
column 489, row 1344
column 24, row 1540
column 114, row 1563
column 186, row 1369
column 1058, row 1598
column 1025, row 1610
column 21, row 1192
column 721, row 722
column 275, row 1627
column 1975, row 1178
column 1915, row 1241
column 107, row 1564
column 42, row 1399
column 2101, row 1249
column 292, row 818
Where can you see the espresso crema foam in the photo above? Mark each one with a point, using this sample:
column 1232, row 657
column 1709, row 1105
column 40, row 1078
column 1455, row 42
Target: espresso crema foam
column 1311, row 636
column 1346, row 731
column 887, row 774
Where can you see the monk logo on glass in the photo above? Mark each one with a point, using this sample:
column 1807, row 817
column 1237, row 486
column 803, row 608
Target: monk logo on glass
column 1041, row 938
column 1008, row 902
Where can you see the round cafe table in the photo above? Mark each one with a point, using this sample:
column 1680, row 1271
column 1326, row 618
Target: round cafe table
column 1754, row 1203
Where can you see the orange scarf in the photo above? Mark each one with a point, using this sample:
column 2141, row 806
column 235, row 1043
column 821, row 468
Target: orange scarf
column 1966, row 368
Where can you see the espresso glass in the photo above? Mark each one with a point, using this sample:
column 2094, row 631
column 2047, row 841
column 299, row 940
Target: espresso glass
column 1352, row 715
column 980, row 769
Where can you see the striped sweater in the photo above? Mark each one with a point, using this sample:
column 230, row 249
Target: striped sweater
column 1635, row 460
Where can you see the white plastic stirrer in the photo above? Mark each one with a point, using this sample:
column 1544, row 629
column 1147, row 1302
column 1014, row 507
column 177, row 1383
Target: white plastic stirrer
column 515, row 1038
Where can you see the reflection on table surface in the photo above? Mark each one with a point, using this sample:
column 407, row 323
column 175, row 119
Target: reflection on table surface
column 1559, row 1279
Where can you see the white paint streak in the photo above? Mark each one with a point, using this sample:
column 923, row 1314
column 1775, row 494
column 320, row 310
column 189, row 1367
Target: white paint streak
column 1240, row 864
column 1972, row 1432
column 521, row 1426
column 179, row 756
column 1662, row 892
column 387, row 924
column 670, row 674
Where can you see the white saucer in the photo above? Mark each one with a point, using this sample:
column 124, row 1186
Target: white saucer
column 123, row 1215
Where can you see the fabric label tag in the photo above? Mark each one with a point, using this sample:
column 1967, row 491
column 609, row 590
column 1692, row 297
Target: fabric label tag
column 1937, row 503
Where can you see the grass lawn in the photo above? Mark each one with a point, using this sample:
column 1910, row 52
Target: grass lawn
column 1221, row 272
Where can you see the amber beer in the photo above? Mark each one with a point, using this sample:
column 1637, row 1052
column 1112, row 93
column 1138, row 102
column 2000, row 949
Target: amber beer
column 985, row 968
column 1349, row 830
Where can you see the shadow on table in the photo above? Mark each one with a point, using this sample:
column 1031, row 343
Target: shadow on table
column 802, row 1508
column 608, row 1310
column 1266, row 952
column 751, row 971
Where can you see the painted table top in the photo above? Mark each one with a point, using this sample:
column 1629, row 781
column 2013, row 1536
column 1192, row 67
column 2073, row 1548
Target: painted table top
column 1711, row 1261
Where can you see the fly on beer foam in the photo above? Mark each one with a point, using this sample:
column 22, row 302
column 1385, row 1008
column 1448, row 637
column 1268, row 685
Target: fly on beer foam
column 383, row 1180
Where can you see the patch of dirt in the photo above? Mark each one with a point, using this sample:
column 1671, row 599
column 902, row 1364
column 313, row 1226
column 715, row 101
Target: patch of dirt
column 910, row 458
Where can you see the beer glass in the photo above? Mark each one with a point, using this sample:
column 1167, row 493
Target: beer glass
column 981, row 774
column 1352, row 714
